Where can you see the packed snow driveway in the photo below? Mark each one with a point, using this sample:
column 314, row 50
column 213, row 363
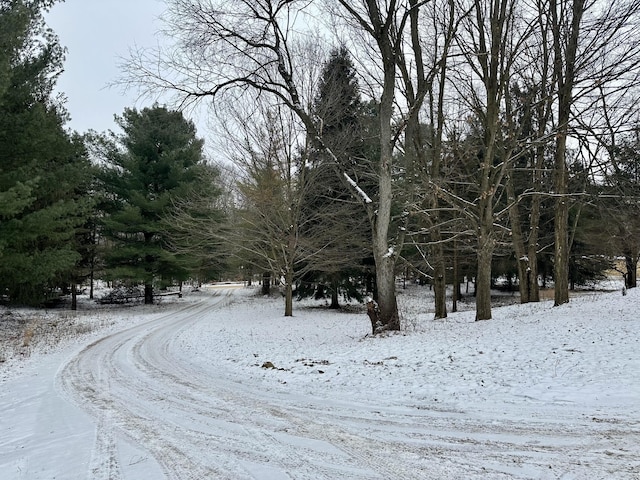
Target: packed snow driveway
column 222, row 386
column 144, row 390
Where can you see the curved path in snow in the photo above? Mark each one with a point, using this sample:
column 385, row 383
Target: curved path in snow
column 196, row 424
column 199, row 422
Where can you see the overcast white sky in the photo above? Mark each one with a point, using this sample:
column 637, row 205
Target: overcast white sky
column 97, row 33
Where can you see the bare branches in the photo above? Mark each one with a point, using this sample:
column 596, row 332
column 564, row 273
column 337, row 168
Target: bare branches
column 217, row 47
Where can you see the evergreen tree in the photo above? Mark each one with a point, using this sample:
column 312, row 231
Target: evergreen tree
column 156, row 161
column 43, row 173
column 335, row 221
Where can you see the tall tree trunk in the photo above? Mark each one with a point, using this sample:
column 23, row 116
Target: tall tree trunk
column 149, row 270
column 543, row 113
column 335, row 303
column 534, row 233
column 266, row 283
column 415, row 154
column 384, row 256
column 486, row 234
column 455, row 279
column 439, row 280
column 524, row 278
column 518, row 241
column 532, row 275
column 428, row 163
column 388, row 308
column 492, row 60
column 334, row 287
column 483, row 277
column 565, row 45
column 436, row 95
column 561, row 222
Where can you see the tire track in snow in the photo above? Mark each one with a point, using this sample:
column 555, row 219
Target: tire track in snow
column 450, row 444
column 273, row 441
column 404, row 442
column 92, row 379
column 104, row 463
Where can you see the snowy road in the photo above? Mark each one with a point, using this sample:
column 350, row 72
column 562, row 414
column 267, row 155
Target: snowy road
column 195, row 423
column 169, row 398
column 198, row 423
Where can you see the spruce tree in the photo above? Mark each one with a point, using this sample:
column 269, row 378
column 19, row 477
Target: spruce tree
column 336, row 224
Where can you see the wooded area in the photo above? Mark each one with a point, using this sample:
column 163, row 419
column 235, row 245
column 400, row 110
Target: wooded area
column 443, row 140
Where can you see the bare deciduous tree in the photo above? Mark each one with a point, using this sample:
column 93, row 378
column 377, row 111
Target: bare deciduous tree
column 494, row 37
column 595, row 44
column 423, row 72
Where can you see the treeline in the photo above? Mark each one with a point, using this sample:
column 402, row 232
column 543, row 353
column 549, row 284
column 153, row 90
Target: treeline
column 488, row 131
column 298, row 217
column 441, row 140
column 74, row 208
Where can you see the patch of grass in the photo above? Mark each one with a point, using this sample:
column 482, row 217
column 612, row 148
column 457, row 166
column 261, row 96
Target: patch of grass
column 27, row 336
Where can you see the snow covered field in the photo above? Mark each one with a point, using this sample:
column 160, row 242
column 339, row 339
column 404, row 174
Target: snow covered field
column 219, row 385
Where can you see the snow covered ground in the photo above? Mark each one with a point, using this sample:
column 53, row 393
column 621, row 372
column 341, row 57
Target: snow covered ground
column 219, row 385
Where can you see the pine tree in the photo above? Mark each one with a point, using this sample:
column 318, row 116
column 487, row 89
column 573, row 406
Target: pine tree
column 154, row 163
